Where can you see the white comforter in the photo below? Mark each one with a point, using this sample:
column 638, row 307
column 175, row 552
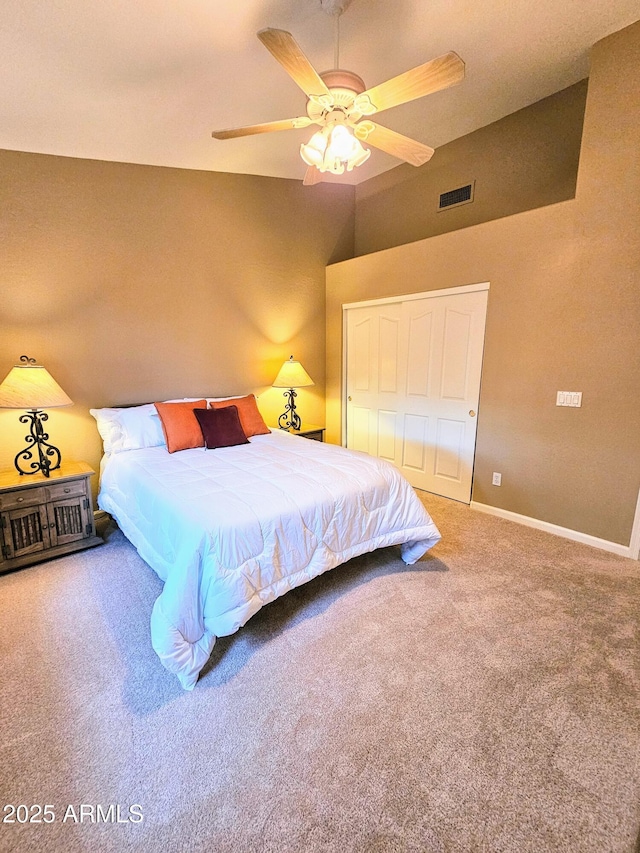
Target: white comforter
column 229, row 530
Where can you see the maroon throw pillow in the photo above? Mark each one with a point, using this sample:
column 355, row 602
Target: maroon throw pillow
column 221, row 427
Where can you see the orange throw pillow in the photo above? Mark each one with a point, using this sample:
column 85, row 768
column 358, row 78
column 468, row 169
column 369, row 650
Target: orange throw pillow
column 250, row 417
column 180, row 426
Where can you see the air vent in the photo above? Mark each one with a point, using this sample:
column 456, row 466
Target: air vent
column 454, row 198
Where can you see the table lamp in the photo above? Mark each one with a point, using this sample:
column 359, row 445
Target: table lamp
column 30, row 386
column 291, row 375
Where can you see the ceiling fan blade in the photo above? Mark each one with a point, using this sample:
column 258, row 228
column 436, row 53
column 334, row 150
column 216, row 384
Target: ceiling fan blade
column 409, row 150
column 285, row 49
column 312, row 176
column 250, row 130
column 439, row 73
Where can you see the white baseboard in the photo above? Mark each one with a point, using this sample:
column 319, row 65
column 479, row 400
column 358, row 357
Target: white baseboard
column 634, row 544
column 632, row 550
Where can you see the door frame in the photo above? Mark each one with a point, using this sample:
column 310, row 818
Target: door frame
column 387, row 300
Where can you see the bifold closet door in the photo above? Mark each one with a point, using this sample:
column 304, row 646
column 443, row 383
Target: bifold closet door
column 413, row 370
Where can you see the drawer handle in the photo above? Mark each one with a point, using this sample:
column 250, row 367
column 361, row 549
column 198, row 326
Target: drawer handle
column 66, row 491
column 20, row 500
column 44, row 526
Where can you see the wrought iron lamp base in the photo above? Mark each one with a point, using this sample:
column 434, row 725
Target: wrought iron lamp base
column 290, row 419
column 37, row 442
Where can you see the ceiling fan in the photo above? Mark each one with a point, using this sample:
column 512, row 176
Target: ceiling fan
column 339, row 102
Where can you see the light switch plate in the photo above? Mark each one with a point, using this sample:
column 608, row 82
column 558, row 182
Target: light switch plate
column 569, row 398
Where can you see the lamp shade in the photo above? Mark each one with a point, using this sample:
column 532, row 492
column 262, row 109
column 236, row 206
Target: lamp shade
column 292, row 375
column 30, row 386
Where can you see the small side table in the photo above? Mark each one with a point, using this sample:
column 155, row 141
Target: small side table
column 45, row 517
column 315, row 433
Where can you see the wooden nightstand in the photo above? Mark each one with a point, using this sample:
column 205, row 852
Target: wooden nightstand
column 42, row 518
column 316, row 433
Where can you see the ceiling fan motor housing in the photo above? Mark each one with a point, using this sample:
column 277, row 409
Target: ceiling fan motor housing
column 344, row 86
column 339, row 79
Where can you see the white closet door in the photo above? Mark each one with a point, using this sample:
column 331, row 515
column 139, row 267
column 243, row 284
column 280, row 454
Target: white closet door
column 374, row 341
column 413, row 385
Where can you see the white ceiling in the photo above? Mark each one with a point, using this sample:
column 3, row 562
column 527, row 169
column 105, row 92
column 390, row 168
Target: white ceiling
column 147, row 81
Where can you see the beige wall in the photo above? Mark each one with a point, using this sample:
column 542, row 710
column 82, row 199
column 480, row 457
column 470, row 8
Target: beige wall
column 136, row 283
column 563, row 314
column 524, row 161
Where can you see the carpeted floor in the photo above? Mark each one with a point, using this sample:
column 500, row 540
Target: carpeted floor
column 485, row 700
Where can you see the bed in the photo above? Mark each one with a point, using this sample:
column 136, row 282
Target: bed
column 231, row 529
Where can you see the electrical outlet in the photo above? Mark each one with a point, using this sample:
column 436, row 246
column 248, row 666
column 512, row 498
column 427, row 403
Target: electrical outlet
column 497, row 479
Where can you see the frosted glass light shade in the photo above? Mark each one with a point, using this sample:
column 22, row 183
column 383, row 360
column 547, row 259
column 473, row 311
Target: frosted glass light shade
column 31, row 386
column 334, row 149
column 292, row 375
column 313, row 152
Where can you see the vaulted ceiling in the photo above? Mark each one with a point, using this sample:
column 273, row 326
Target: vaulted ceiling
column 147, row 82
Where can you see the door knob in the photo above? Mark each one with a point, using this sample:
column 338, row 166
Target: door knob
column 472, row 413
column 349, row 398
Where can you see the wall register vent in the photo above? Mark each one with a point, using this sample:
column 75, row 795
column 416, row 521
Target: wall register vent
column 454, row 198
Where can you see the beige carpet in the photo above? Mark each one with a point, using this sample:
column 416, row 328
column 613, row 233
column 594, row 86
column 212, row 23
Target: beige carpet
column 485, row 700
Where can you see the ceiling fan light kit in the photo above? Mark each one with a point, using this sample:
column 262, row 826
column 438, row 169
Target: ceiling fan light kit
column 338, row 101
column 334, row 149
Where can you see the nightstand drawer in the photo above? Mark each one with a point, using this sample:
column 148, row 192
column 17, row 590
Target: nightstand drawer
column 314, row 434
column 26, row 497
column 66, row 490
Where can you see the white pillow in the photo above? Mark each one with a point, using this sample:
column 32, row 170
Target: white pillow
column 129, row 429
column 211, row 400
